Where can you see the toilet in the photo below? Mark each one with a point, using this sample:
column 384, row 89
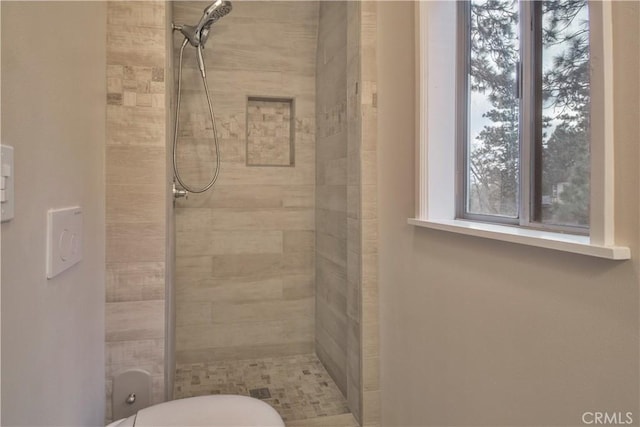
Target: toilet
column 206, row 411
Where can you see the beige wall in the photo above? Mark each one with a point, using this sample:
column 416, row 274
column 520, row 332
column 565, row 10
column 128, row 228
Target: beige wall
column 136, row 187
column 53, row 108
column 477, row 332
column 245, row 249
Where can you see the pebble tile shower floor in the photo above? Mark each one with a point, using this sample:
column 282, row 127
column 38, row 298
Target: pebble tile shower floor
column 298, row 387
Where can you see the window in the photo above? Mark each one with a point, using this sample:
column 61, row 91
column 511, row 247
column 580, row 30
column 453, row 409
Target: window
column 515, row 122
column 524, row 109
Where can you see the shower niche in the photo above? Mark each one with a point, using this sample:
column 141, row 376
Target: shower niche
column 270, row 133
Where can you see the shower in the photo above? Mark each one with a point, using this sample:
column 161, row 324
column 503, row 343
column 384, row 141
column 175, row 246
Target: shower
column 266, row 285
column 197, row 36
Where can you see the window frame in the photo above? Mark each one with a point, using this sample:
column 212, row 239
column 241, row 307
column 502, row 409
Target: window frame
column 436, row 173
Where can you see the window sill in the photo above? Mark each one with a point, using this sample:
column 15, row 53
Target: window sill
column 523, row 236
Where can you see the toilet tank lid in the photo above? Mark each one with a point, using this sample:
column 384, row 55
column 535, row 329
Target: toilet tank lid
column 210, row 411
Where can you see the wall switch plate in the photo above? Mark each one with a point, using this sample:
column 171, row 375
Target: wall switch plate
column 6, row 183
column 64, row 239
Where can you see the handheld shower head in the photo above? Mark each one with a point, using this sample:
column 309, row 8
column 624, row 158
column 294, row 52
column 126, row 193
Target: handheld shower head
column 198, row 34
column 213, row 12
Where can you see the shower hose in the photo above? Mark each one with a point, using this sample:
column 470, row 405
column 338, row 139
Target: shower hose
column 176, row 173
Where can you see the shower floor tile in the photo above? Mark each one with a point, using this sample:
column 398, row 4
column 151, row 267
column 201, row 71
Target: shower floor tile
column 298, row 387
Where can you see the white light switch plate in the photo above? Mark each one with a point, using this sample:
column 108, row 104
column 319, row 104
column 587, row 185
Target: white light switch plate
column 64, row 239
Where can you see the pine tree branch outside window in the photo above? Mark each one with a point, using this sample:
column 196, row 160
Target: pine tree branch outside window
column 524, row 113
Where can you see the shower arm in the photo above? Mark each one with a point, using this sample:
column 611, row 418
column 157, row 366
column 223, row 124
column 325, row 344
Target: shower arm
column 197, row 35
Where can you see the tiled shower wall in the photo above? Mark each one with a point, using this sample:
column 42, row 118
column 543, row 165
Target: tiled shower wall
column 368, row 212
column 346, row 212
column 245, row 249
column 136, row 186
column 331, row 191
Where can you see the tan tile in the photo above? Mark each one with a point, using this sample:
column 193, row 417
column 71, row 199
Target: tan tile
column 142, row 165
column 333, row 323
column 158, row 101
column 235, row 174
column 128, row 100
column 157, row 389
column 345, row 420
column 135, row 242
column 263, row 219
column 369, row 129
column 354, row 397
column 333, row 357
column 332, row 223
column 135, row 203
column 335, row 172
column 370, row 342
column 114, row 85
column 371, row 373
column 195, row 337
column 135, row 281
column 298, row 286
column 369, row 236
column 354, row 166
column 139, row 320
column 261, row 311
column 255, row 197
column 299, row 241
column 193, row 268
column 369, row 269
column 136, row 126
column 369, row 200
column 133, row 45
column 145, row 14
column 115, row 71
column 108, row 393
column 370, row 303
column 371, row 407
column 262, row 265
column 193, row 220
column 194, row 243
column 332, row 146
column 354, row 361
column 332, row 248
column 232, row 290
column 353, row 201
column 136, row 354
column 157, row 88
column 354, row 237
column 233, row 353
column 193, row 312
column 143, row 100
column 299, row 330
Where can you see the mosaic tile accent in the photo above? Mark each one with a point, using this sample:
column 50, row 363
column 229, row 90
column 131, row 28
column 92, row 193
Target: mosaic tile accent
column 133, row 86
column 298, row 387
column 269, row 132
